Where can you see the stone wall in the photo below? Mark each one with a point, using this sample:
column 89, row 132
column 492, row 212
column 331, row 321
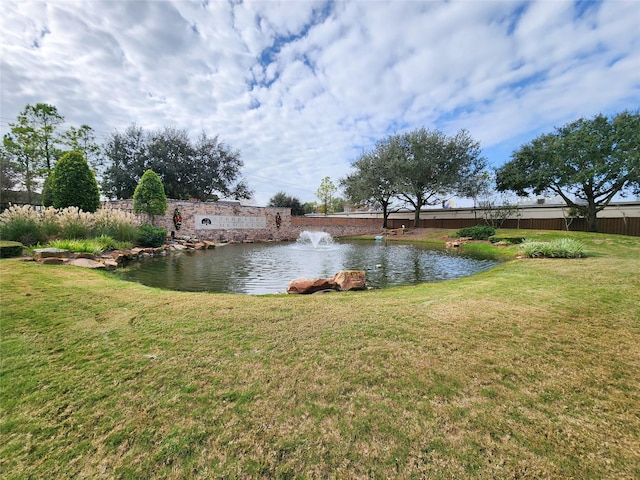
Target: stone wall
column 262, row 221
column 242, row 223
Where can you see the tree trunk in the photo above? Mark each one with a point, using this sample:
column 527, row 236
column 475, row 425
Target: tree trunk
column 592, row 217
column 416, row 218
column 385, row 214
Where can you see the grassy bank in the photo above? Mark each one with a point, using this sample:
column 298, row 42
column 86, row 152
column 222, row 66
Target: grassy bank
column 530, row 370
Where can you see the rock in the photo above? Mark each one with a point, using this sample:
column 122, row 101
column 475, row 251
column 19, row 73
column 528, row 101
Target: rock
column 84, row 255
column 86, row 263
column 52, row 261
column 305, row 285
column 350, row 280
column 341, row 281
column 40, row 253
column 110, row 264
column 209, row 245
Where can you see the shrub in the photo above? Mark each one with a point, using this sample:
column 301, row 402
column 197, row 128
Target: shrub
column 149, row 236
column 149, row 196
column 74, row 223
column 477, row 232
column 10, row 249
column 73, row 184
column 116, row 224
column 21, row 224
column 508, row 240
column 561, row 248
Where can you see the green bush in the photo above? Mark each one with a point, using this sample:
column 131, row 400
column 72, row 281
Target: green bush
column 509, row 240
column 22, row 229
column 477, row 232
column 149, row 236
column 10, row 249
column 73, row 184
column 561, row 248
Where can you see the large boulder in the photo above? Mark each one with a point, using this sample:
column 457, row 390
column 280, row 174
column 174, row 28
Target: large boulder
column 350, row 280
column 341, row 281
column 305, row 285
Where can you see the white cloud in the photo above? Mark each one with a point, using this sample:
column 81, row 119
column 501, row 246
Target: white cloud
column 300, row 88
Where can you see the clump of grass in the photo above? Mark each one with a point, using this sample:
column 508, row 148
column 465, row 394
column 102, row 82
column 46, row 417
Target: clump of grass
column 32, row 226
column 95, row 245
column 560, row 248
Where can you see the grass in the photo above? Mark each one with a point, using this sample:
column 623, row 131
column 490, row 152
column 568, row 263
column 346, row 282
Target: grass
column 560, row 248
column 93, row 245
column 529, row 370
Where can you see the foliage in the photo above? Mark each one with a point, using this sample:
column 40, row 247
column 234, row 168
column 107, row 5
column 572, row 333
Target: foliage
column 83, row 140
column 95, row 245
column 126, row 153
column 204, row 170
column 559, row 248
column 495, row 215
column 587, row 162
column 477, row 232
column 40, row 225
column 149, row 196
column 150, row 236
column 325, row 193
column 73, row 184
column 8, row 172
column 432, row 166
column 309, row 207
column 283, row 200
column 10, row 249
column 374, row 181
column 507, row 240
column 20, row 228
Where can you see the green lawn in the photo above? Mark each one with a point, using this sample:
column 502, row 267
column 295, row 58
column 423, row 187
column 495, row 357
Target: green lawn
column 529, row 370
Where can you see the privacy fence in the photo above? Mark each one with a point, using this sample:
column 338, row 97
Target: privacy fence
column 619, row 219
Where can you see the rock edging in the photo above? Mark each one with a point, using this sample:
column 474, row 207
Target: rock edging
column 115, row 258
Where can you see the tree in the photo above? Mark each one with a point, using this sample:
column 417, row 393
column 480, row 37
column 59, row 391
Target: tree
column 8, row 173
column 40, row 122
column 149, row 196
column 324, row 193
column 374, row 181
column 127, row 154
column 432, row 166
column 216, row 169
column 187, row 170
column 83, row 140
column 587, row 163
column 73, row 184
column 169, row 154
column 283, row 200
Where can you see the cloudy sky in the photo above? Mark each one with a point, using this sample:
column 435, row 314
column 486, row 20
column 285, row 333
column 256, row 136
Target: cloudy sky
column 301, row 88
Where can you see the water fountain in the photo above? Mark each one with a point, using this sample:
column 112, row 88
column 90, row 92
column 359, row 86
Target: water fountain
column 315, row 239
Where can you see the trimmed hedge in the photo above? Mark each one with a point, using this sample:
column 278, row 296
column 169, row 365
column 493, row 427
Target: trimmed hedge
column 10, row 249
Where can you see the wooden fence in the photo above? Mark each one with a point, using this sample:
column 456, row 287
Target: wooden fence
column 620, row 226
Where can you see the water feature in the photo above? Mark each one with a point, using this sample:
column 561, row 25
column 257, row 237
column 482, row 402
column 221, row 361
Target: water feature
column 260, row 268
column 315, row 239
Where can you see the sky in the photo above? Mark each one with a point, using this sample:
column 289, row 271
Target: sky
column 302, row 88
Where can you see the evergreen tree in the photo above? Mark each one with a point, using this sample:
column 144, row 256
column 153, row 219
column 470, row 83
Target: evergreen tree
column 149, row 196
column 73, row 184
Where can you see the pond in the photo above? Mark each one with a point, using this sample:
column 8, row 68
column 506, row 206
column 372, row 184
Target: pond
column 262, row 268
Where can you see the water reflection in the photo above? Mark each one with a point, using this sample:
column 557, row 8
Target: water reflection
column 267, row 268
